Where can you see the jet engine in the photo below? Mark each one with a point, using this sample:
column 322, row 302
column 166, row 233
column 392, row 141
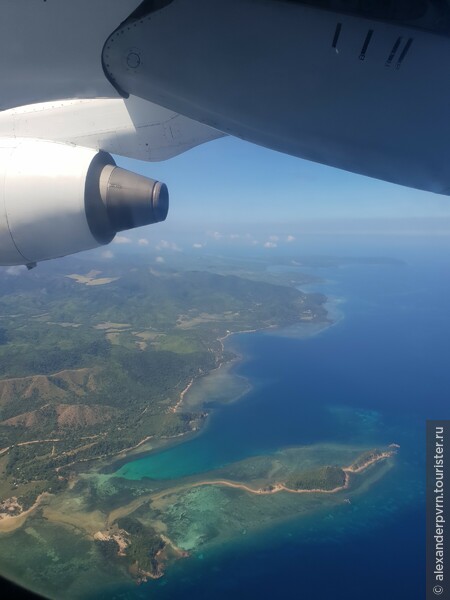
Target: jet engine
column 58, row 199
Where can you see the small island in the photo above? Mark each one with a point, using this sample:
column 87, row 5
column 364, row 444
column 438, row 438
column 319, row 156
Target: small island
column 138, row 545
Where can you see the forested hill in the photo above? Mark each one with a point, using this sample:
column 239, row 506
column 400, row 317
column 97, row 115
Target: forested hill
column 92, row 361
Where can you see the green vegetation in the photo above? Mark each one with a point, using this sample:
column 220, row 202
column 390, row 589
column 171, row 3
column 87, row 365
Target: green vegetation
column 144, row 547
column 87, row 371
column 322, row 478
column 367, row 457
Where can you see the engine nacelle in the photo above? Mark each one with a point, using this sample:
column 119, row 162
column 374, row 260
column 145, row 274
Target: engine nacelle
column 58, row 199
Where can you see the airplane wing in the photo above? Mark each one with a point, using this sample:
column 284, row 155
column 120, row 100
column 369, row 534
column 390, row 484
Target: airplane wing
column 355, row 85
column 130, row 127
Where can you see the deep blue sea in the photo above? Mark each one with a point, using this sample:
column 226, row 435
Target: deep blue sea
column 373, row 378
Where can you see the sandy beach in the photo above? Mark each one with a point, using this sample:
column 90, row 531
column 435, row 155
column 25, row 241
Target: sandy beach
column 9, row 523
column 273, row 488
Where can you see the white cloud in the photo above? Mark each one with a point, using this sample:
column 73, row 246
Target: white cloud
column 165, row 245
column 273, row 238
column 107, row 254
column 255, row 242
column 215, row 235
column 159, row 259
column 234, row 236
column 121, row 239
column 198, row 245
column 270, row 245
column 290, row 238
column 143, row 242
column 16, row 270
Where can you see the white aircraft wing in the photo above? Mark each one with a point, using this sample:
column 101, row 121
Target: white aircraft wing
column 130, row 127
column 56, row 88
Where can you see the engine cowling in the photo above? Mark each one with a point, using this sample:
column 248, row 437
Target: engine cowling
column 58, row 199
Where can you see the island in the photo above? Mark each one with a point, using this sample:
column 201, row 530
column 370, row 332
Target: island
column 145, row 535
column 98, row 363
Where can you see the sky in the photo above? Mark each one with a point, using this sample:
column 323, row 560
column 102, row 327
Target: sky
column 232, row 196
column 230, row 183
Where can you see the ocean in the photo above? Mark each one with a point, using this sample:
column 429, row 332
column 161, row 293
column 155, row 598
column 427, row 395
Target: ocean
column 373, row 378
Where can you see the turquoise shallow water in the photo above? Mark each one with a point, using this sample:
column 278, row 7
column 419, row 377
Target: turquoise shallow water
column 371, row 379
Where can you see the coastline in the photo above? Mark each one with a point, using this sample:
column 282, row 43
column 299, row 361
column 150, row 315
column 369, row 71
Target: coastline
column 239, row 357
column 112, row 463
column 102, row 525
column 9, row 523
column 182, row 395
column 281, row 487
column 109, row 464
column 275, row 488
column 139, row 450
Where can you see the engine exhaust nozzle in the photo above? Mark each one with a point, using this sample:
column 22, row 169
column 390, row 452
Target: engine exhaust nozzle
column 132, row 200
